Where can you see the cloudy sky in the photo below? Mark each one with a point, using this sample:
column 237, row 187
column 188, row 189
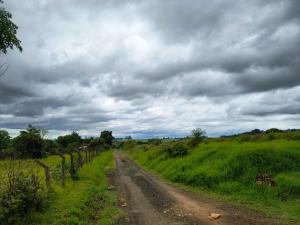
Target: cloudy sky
column 153, row 68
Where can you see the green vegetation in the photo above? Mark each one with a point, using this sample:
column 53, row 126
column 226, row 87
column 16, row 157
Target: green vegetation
column 173, row 150
column 260, row 172
column 88, row 200
column 29, row 143
column 67, row 187
column 8, row 38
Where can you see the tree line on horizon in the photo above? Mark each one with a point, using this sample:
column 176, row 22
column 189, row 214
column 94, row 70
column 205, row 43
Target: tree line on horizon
column 31, row 143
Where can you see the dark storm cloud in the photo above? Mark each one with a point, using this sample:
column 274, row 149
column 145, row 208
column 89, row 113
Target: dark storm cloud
column 292, row 110
column 182, row 20
column 265, row 79
column 280, row 102
column 129, row 89
column 208, row 18
column 57, row 123
column 11, row 93
column 72, row 122
column 207, row 21
column 36, row 106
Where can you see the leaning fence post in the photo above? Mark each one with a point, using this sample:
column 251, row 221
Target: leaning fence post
column 47, row 173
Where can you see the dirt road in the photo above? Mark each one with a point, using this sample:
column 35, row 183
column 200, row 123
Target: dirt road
column 149, row 201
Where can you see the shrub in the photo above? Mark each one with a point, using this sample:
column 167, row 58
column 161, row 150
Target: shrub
column 173, row 150
column 197, row 136
column 19, row 195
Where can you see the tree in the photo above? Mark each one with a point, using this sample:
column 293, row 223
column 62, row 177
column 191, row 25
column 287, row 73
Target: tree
column 8, row 32
column 50, row 146
column 4, row 139
column 197, row 136
column 29, row 144
column 107, row 137
column 273, row 130
column 70, row 140
column 4, row 143
column 96, row 142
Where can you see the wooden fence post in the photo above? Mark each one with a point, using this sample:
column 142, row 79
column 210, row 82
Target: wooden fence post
column 86, row 156
column 63, row 168
column 72, row 166
column 93, row 153
column 47, row 173
column 79, row 160
column 89, row 150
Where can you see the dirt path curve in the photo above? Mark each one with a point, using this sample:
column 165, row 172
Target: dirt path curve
column 150, row 201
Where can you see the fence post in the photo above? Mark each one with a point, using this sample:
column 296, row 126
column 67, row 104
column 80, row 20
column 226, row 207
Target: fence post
column 47, row 173
column 79, row 160
column 86, row 156
column 63, row 168
column 72, row 166
column 89, row 150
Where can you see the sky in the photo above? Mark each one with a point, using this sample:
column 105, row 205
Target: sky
column 152, row 68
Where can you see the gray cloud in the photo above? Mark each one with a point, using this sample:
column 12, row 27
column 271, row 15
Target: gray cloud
column 10, row 93
column 152, row 67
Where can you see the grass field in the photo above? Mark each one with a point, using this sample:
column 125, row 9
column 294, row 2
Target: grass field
column 227, row 169
column 86, row 201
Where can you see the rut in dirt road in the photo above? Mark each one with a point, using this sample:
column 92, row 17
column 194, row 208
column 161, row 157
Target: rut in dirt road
column 149, row 201
column 145, row 202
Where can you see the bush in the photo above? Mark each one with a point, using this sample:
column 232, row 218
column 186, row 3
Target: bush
column 173, row 150
column 197, row 137
column 19, row 195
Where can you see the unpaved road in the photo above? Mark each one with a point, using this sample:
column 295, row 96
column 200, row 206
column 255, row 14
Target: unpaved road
column 150, row 201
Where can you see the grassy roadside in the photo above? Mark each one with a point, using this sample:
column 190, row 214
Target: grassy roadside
column 227, row 170
column 82, row 202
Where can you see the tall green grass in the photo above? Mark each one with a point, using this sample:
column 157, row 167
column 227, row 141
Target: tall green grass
column 82, row 202
column 228, row 169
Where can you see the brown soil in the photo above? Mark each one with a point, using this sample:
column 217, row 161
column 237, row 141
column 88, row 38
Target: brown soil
column 150, row 201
